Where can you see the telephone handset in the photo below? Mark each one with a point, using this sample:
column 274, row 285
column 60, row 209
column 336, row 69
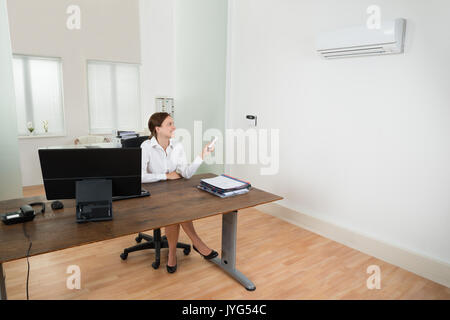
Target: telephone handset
column 24, row 214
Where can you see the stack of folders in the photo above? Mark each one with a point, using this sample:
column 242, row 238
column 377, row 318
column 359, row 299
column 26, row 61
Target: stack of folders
column 224, row 186
column 124, row 135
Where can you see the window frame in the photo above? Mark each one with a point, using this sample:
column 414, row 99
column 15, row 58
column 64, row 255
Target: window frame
column 113, row 63
column 60, row 61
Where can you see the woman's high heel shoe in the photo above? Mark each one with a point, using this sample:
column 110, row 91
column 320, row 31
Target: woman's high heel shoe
column 171, row 269
column 210, row 256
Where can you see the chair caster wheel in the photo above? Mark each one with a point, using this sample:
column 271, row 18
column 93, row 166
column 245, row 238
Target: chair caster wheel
column 186, row 251
column 138, row 239
column 124, row 256
column 155, row 265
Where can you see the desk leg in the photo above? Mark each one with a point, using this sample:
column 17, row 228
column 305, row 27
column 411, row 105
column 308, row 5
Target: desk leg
column 2, row 284
column 227, row 262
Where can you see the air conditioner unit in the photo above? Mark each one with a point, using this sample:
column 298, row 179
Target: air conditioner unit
column 362, row 41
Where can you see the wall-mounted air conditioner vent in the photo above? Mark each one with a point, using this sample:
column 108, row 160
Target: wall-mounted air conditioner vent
column 362, row 41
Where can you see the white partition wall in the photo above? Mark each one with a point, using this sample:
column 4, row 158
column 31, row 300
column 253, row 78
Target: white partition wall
column 157, row 31
column 200, row 73
column 10, row 177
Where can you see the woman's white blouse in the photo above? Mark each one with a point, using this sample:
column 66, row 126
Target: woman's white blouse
column 156, row 162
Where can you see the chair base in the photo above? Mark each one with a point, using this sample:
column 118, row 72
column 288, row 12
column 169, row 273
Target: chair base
column 156, row 242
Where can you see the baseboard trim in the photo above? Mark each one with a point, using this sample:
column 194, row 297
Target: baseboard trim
column 426, row 267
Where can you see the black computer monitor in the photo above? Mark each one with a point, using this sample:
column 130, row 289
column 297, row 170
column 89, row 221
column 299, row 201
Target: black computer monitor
column 92, row 176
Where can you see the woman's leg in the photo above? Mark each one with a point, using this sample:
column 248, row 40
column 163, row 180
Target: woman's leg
column 172, row 233
column 188, row 227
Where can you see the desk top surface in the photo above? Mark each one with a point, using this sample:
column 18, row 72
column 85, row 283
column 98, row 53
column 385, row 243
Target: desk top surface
column 171, row 202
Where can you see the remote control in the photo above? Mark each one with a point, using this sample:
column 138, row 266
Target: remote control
column 212, row 143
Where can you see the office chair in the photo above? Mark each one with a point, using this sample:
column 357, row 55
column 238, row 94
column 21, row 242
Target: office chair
column 156, row 242
column 133, row 142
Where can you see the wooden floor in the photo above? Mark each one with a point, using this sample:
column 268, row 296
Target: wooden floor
column 283, row 260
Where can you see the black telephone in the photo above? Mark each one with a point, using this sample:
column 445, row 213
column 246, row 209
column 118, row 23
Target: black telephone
column 24, row 214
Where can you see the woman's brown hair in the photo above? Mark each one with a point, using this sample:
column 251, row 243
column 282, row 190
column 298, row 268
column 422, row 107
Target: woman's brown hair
column 156, row 120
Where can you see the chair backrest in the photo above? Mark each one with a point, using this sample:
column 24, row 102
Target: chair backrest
column 134, row 142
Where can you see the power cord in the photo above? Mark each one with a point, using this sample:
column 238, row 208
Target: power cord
column 28, row 255
column 42, row 204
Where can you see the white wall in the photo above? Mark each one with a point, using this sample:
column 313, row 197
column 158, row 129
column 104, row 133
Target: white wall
column 109, row 31
column 157, row 52
column 184, row 56
column 10, row 176
column 200, row 51
column 365, row 142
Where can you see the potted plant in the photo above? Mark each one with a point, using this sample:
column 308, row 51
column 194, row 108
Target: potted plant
column 45, row 123
column 30, row 127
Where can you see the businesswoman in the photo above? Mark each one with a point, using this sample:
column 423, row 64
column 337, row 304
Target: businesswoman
column 165, row 159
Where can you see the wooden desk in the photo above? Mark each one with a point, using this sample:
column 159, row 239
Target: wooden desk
column 171, row 202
